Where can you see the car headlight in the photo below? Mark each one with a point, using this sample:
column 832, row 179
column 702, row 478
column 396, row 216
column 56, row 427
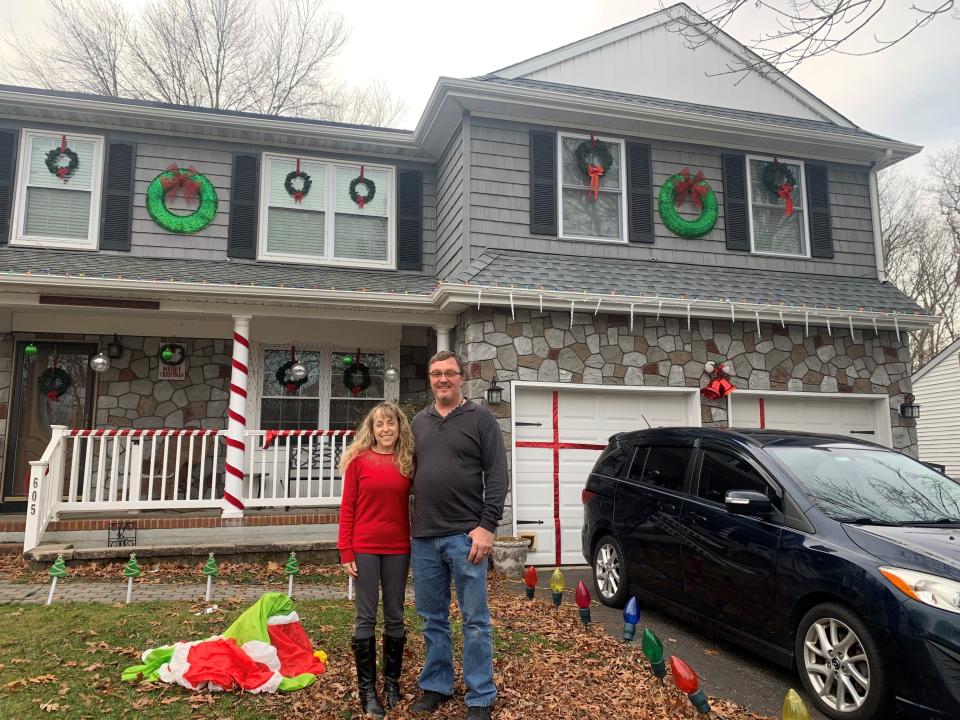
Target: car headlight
column 930, row 589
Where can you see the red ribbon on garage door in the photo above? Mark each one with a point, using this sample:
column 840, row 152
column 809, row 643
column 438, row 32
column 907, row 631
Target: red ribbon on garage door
column 557, row 446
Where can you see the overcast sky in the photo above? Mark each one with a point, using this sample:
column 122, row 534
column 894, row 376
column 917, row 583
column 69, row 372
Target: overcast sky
column 908, row 92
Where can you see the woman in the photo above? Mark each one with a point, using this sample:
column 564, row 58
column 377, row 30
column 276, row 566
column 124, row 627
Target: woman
column 374, row 544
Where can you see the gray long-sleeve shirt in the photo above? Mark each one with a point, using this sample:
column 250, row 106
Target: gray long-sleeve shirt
column 461, row 476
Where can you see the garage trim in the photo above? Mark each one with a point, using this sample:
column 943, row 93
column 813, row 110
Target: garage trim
column 693, row 414
column 881, row 406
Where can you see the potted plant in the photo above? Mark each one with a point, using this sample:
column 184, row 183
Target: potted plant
column 510, row 555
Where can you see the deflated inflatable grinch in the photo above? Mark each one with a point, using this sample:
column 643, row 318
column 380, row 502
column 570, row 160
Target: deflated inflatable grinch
column 266, row 649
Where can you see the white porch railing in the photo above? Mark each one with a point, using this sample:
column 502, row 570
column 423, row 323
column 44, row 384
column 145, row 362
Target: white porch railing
column 129, row 470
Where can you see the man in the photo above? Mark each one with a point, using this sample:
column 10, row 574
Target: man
column 459, row 487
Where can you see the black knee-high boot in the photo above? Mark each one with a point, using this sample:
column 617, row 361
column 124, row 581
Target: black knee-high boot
column 392, row 666
column 365, row 656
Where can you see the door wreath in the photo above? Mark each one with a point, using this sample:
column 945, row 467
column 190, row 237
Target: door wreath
column 675, row 191
column 54, row 382
column 356, row 378
column 193, row 185
column 287, row 380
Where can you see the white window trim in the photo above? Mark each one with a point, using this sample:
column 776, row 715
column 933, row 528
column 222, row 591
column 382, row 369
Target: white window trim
column 330, row 191
column 804, row 225
column 622, row 240
column 20, row 203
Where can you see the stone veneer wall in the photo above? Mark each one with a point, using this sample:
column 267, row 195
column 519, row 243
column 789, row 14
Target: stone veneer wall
column 129, row 394
column 602, row 349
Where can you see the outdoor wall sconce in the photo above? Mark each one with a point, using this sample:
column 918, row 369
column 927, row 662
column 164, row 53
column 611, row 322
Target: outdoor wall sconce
column 114, row 349
column 909, row 408
column 494, row 393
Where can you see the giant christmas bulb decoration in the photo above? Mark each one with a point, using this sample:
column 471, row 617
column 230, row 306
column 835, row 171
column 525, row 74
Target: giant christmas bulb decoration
column 653, row 649
column 582, row 598
column 530, row 580
column 556, row 586
column 631, row 616
column 686, row 680
column 793, row 707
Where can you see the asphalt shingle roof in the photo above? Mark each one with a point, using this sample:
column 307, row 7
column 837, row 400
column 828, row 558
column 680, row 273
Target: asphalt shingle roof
column 679, row 105
column 64, row 263
column 636, row 278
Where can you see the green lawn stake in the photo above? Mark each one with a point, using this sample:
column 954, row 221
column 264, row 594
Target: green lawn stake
column 59, row 570
column 131, row 571
column 291, row 568
column 211, row 570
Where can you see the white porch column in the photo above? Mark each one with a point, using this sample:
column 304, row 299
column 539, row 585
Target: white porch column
column 443, row 337
column 237, row 418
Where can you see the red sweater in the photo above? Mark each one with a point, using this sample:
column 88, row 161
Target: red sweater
column 374, row 516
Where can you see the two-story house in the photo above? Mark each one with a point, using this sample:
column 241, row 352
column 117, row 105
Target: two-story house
column 588, row 228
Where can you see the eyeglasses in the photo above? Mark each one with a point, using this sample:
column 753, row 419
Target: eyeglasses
column 448, row 374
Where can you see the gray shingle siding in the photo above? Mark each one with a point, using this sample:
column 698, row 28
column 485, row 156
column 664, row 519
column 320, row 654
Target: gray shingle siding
column 449, row 210
column 500, row 208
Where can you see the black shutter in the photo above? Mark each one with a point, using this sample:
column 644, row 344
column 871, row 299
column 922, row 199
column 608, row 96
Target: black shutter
column 543, row 183
column 818, row 198
column 242, row 238
column 735, row 202
column 8, row 171
column 409, row 220
column 116, row 216
column 640, row 187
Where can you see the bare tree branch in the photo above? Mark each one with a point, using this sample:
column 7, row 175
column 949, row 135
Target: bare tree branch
column 220, row 54
column 807, row 29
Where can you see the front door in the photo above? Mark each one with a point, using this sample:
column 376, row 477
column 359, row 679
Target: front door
column 37, row 403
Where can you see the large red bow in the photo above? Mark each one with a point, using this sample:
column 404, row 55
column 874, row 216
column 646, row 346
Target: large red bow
column 595, row 171
column 785, row 193
column 690, row 189
column 183, row 181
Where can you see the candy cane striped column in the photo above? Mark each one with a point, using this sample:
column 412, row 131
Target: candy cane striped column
column 237, row 417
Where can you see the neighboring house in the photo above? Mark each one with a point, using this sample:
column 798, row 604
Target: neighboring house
column 938, row 427
column 483, row 236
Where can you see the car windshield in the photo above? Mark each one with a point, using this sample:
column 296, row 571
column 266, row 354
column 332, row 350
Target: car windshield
column 866, row 485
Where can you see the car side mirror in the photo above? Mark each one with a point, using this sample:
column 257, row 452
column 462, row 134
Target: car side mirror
column 747, row 502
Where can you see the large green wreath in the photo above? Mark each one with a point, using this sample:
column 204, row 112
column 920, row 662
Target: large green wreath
column 593, row 149
column 675, row 222
column 62, row 171
column 371, row 190
column 54, row 382
column 184, row 224
column 775, row 175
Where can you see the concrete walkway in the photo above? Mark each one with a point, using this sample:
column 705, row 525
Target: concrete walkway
column 104, row 592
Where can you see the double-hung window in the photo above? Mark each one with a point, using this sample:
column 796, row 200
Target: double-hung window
column 327, row 226
column 54, row 211
column 771, row 230
column 583, row 216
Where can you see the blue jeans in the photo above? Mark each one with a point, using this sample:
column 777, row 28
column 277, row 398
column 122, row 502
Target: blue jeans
column 435, row 561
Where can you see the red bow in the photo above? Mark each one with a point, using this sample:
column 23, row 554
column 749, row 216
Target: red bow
column 182, row 181
column 595, row 171
column 690, row 189
column 52, row 395
column 785, row 193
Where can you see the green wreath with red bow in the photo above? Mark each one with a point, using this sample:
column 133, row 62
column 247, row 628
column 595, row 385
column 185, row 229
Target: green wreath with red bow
column 594, row 159
column 52, row 161
column 54, row 382
column 780, row 180
column 677, row 190
column 369, row 189
column 356, row 378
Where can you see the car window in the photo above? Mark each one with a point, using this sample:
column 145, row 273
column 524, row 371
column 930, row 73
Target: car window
column 665, row 467
column 611, row 462
column 721, row 471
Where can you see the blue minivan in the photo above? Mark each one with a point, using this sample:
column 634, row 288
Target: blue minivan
column 835, row 556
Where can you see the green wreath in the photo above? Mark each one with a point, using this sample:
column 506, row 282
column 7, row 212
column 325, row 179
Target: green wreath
column 356, row 378
column 292, row 191
column 675, row 222
column 184, row 224
column 289, row 384
column 776, row 175
column 359, row 199
column 54, row 382
column 62, row 171
column 593, row 149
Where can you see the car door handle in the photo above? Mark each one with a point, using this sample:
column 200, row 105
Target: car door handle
column 666, row 507
column 697, row 517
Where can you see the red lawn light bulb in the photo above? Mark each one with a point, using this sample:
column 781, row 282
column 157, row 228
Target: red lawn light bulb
column 686, row 680
column 530, row 580
column 582, row 598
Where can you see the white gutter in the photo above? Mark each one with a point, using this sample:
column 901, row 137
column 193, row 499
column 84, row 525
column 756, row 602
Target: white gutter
column 876, row 223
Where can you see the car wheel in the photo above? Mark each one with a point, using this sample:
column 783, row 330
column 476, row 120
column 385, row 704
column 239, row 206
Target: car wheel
column 609, row 574
column 841, row 665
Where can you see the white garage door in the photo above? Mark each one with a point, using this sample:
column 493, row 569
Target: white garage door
column 856, row 417
column 559, row 434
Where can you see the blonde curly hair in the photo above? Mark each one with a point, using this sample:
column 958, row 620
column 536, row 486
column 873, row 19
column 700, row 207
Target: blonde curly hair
column 365, row 439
